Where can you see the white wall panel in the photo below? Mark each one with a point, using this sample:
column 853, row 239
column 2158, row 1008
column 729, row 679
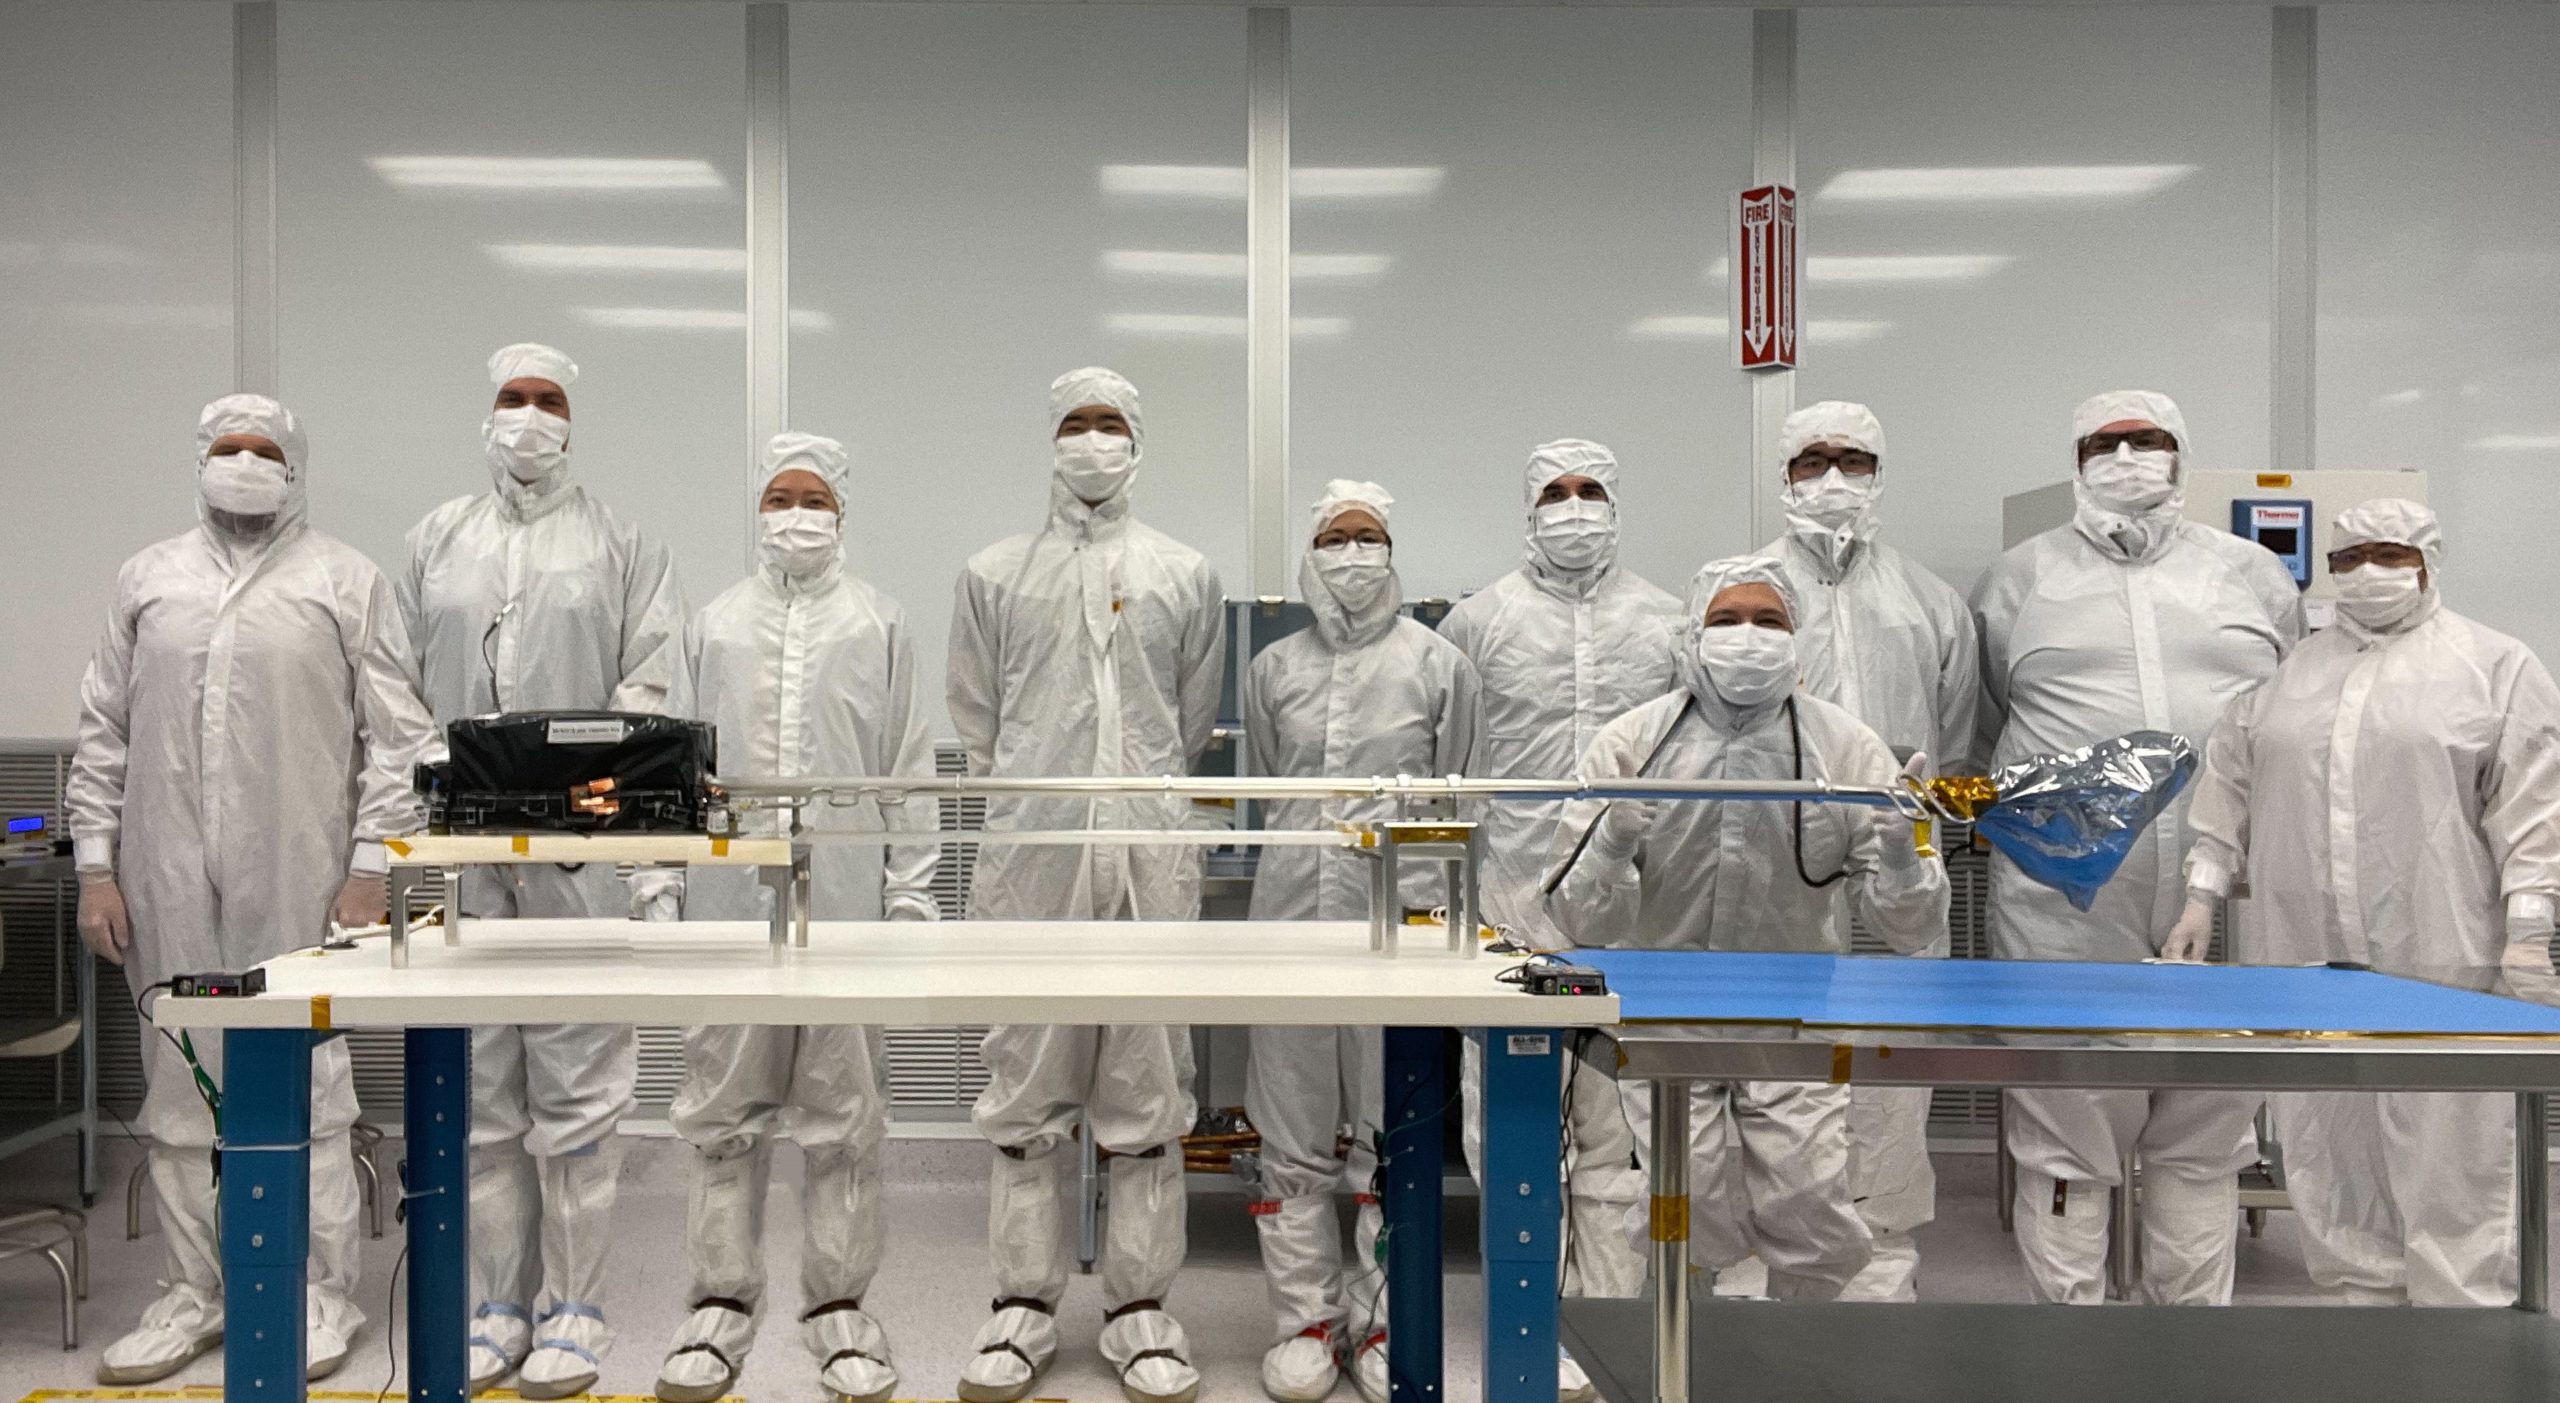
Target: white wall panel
column 1504, row 228
column 457, row 176
column 115, row 311
column 985, row 196
column 2011, row 209
column 2439, row 274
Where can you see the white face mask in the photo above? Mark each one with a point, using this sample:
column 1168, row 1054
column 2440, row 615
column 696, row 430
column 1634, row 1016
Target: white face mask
column 1746, row 663
column 2130, row 482
column 244, row 484
column 2377, row 597
column 526, row 443
column 1832, row 500
column 800, row 541
column 1355, row 574
column 1096, row 466
column 1576, row 533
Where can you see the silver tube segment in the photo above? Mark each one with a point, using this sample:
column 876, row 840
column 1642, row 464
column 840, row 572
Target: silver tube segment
column 750, row 793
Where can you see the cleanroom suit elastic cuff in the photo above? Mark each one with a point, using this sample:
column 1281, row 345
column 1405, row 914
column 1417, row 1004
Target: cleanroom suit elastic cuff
column 2531, row 906
column 94, row 853
column 2208, row 877
column 370, row 859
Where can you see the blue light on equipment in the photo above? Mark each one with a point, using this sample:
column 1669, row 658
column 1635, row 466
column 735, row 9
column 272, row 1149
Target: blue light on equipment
column 32, row 823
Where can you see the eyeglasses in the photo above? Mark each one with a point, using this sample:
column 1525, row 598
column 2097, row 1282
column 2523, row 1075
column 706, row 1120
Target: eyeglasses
column 2099, row 445
column 1814, row 462
column 2388, row 554
column 1365, row 536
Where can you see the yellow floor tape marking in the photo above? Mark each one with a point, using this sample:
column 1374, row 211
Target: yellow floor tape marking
column 210, row 1393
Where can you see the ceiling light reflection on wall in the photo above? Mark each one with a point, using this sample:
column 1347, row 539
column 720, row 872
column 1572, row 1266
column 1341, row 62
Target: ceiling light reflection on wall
column 552, row 174
column 617, row 258
column 1680, row 328
column 1184, row 325
column 2518, row 443
column 1822, row 331
column 1305, row 182
column 1956, row 184
column 1175, row 266
column 691, row 318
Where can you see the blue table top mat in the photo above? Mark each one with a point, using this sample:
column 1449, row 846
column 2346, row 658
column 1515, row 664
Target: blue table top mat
column 1696, row 986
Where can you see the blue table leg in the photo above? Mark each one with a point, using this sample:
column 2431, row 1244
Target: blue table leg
column 1523, row 1211
column 436, row 1186
column 1417, row 1102
column 266, row 1211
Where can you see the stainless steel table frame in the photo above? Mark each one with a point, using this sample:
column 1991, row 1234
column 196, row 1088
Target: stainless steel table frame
column 1671, row 1058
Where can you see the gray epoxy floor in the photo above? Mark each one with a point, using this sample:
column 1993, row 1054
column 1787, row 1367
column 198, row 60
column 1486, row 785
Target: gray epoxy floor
column 933, row 1293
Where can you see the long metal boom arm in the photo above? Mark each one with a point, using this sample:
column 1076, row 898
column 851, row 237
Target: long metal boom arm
column 796, row 792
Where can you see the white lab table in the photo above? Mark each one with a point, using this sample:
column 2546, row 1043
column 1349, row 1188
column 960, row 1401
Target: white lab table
column 905, row 974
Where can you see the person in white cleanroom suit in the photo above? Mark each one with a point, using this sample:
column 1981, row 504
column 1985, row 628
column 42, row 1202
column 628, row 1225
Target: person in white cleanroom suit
column 1365, row 691
column 533, row 596
column 805, row 670
column 1090, row 647
column 2392, row 795
column 247, row 728
column 2131, row 617
column 1892, row 644
column 1563, row 645
column 1769, row 1160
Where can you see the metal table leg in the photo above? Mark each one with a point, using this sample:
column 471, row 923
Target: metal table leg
column 266, row 1211
column 1523, row 1212
column 435, row 1179
column 1091, row 1188
column 2533, row 1201
column 85, row 976
column 1667, row 1158
column 1417, row 1095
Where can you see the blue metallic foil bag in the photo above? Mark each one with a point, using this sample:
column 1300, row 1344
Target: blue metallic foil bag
column 2068, row 820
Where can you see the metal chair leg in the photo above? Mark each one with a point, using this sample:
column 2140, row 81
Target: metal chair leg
column 2005, row 1170
column 133, row 1199
column 369, row 1183
column 70, row 1302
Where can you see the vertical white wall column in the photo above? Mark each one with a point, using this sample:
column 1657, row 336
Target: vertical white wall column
column 1267, row 514
column 2295, row 303
column 1773, row 159
column 253, row 131
column 768, row 237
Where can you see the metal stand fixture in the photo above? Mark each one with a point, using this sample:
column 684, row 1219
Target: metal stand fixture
column 1454, row 846
column 434, row 862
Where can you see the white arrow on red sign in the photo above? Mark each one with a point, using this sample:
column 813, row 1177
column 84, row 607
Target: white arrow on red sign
column 1766, row 258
